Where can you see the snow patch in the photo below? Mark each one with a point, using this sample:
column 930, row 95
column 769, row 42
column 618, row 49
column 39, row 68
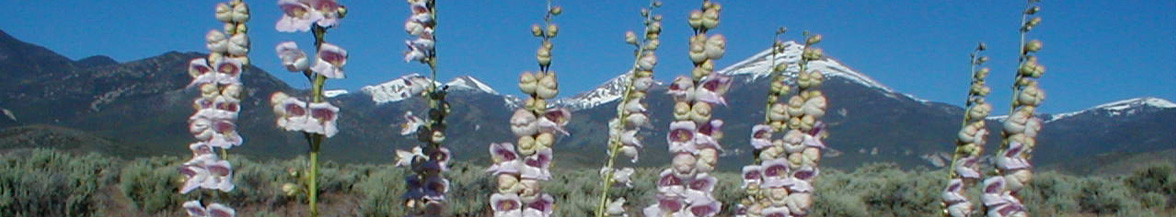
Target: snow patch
column 395, row 90
column 9, row 114
column 470, row 83
column 398, row 89
column 334, row 93
column 1121, row 107
column 760, row 65
column 611, row 90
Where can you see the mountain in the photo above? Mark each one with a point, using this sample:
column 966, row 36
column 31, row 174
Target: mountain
column 1128, row 126
column 140, row 107
column 95, row 61
column 859, row 108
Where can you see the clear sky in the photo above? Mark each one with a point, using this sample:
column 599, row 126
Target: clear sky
column 1096, row 51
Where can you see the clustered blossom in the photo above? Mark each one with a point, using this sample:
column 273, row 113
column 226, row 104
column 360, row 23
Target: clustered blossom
column 685, row 188
column 781, row 184
column 964, row 171
column 297, row 115
column 427, row 185
column 1014, row 171
column 214, row 125
column 632, row 114
column 315, row 117
column 519, row 170
column 301, row 15
column 420, row 24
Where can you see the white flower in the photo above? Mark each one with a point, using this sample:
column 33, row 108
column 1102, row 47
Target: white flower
column 293, row 58
column 330, row 60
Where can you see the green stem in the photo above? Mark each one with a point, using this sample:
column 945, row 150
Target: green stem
column 316, row 140
column 614, row 144
column 313, row 178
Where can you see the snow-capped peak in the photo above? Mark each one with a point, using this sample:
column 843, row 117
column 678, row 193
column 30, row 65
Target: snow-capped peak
column 1121, row 107
column 760, row 65
column 609, row 91
column 395, row 90
column 399, row 89
column 466, row 82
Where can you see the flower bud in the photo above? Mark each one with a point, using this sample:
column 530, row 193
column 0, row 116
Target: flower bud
column 536, row 30
column 544, row 141
column 1033, row 46
column 556, row 10
column 695, row 19
column 1033, row 10
column 710, row 18
column 290, row 189
column 813, row 39
column 527, row 145
column 700, row 112
column 631, row 38
column 552, row 30
column 812, row 53
column 224, row 12
column 653, row 28
column 240, row 13
column 683, row 163
column 527, row 82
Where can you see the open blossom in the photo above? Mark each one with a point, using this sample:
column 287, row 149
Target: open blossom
column 207, row 171
column 195, row 209
column 224, row 72
column 329, row 61
column 299, row 15
column 293, row 58
column 297, row 115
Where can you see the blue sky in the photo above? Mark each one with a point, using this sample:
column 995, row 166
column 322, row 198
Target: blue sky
column 1096, row 51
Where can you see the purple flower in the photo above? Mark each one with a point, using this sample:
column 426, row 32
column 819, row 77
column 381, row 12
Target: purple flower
column 505, row 205
column 682, row 89
column 330, row 61
column 761, row 136
column 541, row 207
column 435, row 188
column 323, row 116
column 966, row 168
column 711, row 89
column 681, row 136
column 752, row 175
column 951, row 195
column 207, row 171
column 1012, row 159
column 775, row 171
column 195, row 209
column 554, row 120
column 537, row 165
column 411, row 124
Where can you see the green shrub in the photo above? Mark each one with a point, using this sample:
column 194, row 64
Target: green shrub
column 153, row 184
column 49, row 183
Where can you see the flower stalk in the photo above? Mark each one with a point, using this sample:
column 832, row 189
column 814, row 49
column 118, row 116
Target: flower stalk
column 970, row 141
column 316, row 119
column 686, row 187
column 780, row 183
column 218, row 77
column 520, row 170
column 1013, row 169
column 427, row 186
column 631, row 112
